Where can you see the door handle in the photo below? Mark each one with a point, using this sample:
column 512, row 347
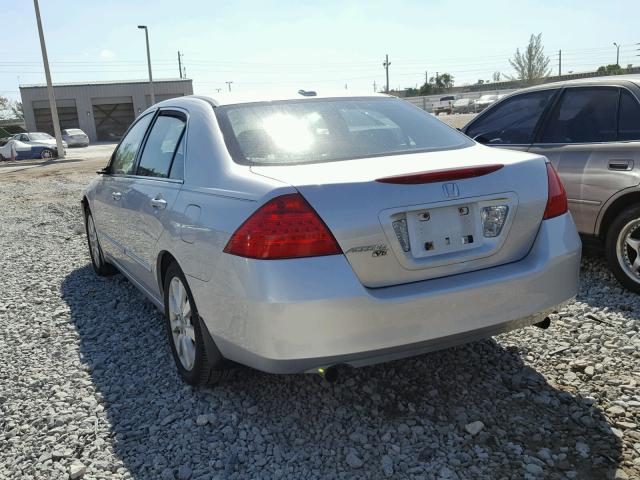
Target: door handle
column 116, row 195
column 159, row 203
column 620, row 164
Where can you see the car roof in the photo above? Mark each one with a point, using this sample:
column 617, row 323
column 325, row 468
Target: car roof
column 608, row 80
column 233, row 98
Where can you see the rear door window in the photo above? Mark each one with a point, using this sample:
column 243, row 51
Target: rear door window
column 161, row 145
column 125, row 156
column 177, row 166
column 629, row 117
column 583, row 115
column 513, row 121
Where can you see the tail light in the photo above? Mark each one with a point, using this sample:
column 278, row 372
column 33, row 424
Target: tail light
column 284, row 227
column 557, row 197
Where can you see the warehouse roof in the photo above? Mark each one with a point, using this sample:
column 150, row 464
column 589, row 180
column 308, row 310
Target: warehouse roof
column 104, row 82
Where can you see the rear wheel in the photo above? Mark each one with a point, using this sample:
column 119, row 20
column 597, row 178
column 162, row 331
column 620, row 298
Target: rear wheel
column 197, row 364
column 100, row 266
column 623, row 248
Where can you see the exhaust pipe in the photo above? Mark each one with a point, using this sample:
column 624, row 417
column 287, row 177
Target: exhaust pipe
column 330, row 374
column 544, row 324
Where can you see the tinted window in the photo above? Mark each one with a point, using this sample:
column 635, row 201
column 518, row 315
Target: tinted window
column 160, row 147
column 177, row 166
column 125, row 155
column 583, row 115
column 629, row 120
column 512, row 121
column 324, row 130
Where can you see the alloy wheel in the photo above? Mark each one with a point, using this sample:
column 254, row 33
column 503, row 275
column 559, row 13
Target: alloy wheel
column 93, row 241
column 182, row 331
column 628, row 249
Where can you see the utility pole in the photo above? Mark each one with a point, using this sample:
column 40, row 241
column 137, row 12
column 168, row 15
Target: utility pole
column 47, row 74
column 229, row 84
column 559, row 63
column 146, row 36
column 184, row 72
column 426, row 77
column 386, row 67
column 617, row 53
column 179, row 63
column 374, row 87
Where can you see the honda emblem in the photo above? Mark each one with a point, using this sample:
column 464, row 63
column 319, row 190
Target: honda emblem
column 451, row 190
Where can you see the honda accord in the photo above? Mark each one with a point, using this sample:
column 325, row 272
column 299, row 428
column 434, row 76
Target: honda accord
column 293, row 233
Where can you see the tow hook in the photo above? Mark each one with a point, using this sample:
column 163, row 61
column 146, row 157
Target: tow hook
column 544, row 324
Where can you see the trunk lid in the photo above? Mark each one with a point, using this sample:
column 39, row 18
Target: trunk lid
column 442, row 233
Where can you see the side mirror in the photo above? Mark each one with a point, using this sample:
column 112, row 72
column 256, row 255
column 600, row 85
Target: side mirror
column 481, row 139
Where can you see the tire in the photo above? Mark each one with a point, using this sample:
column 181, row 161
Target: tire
column 100, row 266
column 622, row 248
column 46, row 154
column 197, row 359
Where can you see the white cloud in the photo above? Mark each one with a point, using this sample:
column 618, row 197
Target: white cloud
column 107, row 54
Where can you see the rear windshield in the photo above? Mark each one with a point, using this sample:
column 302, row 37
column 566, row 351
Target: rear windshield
column 326, row 130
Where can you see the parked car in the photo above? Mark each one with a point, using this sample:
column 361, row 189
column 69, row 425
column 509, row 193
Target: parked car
column 292, row 233
column 590, row 131
column 26, row 151
column 75, row 137
column 484, row 101
column 444, row 105
column 40, row 139
column 463, row 105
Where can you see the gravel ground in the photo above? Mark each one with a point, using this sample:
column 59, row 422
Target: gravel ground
column 88, row 388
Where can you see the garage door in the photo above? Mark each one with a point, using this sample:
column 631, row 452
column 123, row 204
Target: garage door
column 67, row 114
column 112, row 117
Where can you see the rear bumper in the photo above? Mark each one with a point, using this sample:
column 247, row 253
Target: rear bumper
column 298, row 315
column 78, row 143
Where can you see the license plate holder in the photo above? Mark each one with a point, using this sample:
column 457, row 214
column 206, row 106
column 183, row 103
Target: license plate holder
column 444, row 230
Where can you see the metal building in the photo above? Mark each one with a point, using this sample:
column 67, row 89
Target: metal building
column 104, row 110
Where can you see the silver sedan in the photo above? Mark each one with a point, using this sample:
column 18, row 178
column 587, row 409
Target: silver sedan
column 297, row 232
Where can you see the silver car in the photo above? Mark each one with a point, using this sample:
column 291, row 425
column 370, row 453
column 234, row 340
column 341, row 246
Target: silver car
column 294, row 233
column 590, row 130
column 75, row 137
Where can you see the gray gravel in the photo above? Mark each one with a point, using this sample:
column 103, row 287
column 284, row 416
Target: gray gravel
column 88, row 388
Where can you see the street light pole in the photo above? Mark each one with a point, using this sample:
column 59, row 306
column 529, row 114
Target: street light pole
column 146, row 36
column 47, row 74
column 617, row 53
column 229, row 84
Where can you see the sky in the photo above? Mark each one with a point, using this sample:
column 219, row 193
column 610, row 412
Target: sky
column 310, row 45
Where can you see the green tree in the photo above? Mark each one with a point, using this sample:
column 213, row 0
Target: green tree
column 611, row 69
column 443, row 82
column 532, row 65
column 426, row 89
column 439, row 84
